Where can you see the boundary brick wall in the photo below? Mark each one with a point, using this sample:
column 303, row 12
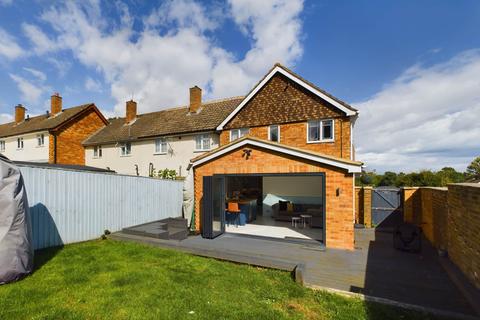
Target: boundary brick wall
column 464, row 229
column 450, row 220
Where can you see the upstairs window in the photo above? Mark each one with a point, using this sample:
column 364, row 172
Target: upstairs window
column 97, row 151
column 274, row 133
column 125, row 149
column 203, row 142
column 320, row 131
column 40, row 140
column 2, row 146
column 19, row 143
column 238, row 133
column 161, row 146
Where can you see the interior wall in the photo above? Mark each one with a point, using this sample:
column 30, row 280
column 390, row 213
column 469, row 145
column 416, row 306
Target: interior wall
column 297, row 189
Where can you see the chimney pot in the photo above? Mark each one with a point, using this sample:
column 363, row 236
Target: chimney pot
column 19, row 113
column 131, row 112
column 195, row 99
column 56, row 104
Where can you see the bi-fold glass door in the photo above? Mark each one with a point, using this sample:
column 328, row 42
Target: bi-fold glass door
column 213, row 206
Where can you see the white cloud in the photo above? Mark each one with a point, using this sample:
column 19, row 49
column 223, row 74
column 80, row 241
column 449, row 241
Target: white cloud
column 175, row 50
column 41, row 42
column 5, row 3
column 426, row 119
column 5, row 118
column 37, row 73
column 31, row 93
column 93, row 85
column 8, row 46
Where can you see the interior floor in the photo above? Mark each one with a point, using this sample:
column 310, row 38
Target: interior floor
column 265, row 226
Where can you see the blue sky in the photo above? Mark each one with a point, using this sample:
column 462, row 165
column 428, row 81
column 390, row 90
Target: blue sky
column 401, row 63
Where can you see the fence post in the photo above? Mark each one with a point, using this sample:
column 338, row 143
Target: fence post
column 367, row 206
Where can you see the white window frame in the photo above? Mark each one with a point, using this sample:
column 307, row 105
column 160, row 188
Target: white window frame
column 163, row 143
column 203, row 137
column 40, row 140
column 124, row 145
column 320, row 123
column 240, row 135
column 97, row 152
column 2, row 145
column 278, row 132
column 20, row 144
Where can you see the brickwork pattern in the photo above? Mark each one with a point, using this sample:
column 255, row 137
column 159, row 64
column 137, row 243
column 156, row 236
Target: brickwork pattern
column 295, row 135
column 464, row 229
column 411, row 204
column 69, row 140
column 339, row 208
column 450, row 220
column 434, row 215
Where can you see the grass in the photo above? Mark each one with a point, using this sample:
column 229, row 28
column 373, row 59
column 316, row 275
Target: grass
column 119, row 280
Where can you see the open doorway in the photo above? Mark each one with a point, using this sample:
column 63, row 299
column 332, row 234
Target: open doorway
column 285, row 206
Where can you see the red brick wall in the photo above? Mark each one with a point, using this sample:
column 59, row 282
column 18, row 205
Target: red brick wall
column 295, row 134
column 69, row 140
column 450, row 220
column 339, row 209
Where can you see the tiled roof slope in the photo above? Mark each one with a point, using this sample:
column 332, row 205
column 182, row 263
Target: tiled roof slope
column 42, row 122
column 166, row 122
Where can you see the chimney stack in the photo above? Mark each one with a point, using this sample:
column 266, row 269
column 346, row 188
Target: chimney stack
column 19, row 113
column 56, row 104
column 195, row 99
column 131, row 111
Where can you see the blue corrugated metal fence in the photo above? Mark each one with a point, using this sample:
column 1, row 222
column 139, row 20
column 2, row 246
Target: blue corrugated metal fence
column 70, row 206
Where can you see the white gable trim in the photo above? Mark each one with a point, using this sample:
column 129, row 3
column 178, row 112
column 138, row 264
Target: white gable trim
column 320, row 94
column 352, row 168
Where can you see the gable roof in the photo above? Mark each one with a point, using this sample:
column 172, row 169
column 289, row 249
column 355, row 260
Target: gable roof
column 278, row 68
column 166, row 122
column 46, row 122
column 350, row 165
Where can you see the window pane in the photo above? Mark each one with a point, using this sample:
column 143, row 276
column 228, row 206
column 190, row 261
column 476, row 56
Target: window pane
column 157, row 145
column 99, row 151
column 244, row 131
column 129, row 147
column 198, row 142
column 163, row 148
column 234, row 134
column 206, row 142
column 274, row 133
column 327, row 132
column 95, row 151
column 313, row 131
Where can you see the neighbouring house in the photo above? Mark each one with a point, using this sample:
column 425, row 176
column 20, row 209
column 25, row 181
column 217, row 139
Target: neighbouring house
column 143, row 144
column 286, row 156
column 54, row 137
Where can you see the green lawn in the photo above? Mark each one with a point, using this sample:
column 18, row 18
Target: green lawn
column 106, row 279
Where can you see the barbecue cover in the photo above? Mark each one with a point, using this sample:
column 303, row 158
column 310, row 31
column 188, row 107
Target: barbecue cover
column 16, row 249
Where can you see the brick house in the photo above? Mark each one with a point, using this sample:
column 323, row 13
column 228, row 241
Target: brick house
column 143, row 144
column 286, row 154
column 55, row 137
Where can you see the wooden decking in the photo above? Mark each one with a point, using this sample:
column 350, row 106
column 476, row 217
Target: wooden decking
column 374, row 268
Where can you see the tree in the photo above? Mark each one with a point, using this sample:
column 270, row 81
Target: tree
column 473, row 170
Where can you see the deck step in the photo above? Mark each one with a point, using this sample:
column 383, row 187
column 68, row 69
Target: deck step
column 170, row 228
